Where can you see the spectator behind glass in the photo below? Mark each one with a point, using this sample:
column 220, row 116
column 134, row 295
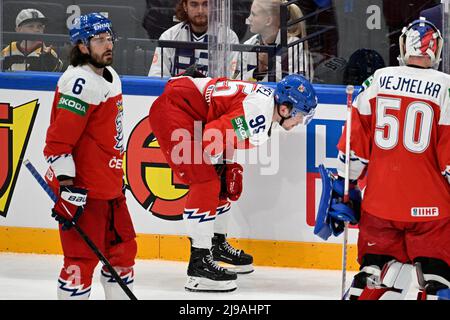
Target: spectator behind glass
column 264, row 20
column 31, row 55
column 193, row 27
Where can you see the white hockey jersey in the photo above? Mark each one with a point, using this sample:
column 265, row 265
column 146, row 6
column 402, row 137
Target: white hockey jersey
column 297, row 62
column 174, row 61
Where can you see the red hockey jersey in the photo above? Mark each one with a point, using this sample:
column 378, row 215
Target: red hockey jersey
column 241, row 111
column 401, row 133
column 244, row 107
column 85, row 137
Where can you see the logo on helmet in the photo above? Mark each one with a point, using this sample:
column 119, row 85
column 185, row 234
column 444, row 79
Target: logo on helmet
column 292, row 98
column 87, row 26
column 101, row 26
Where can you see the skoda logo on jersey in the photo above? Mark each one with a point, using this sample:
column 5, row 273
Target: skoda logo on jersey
column 72, row 104
column 240, row 128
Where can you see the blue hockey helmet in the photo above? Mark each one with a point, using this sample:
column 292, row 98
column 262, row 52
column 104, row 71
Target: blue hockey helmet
column 89, row 25
column 297, row 91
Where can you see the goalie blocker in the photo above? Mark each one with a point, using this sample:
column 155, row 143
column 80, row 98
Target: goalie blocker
column 333, row 212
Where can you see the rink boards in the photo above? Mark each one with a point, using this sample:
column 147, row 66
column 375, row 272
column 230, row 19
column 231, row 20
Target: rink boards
column 273, row 220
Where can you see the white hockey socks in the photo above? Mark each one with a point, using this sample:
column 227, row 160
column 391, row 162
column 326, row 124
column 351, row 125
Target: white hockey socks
column 112, row 289
column 67, row 290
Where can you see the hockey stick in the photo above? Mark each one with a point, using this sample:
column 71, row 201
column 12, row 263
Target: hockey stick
column 349, row 91
column 83, row 235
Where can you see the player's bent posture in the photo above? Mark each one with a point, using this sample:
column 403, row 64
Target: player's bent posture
column 225, row 114
column 400, row 140
column 84, row 147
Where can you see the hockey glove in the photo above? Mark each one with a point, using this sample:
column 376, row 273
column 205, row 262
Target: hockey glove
column 231, row 181
column 69, row 206
column 333, row 212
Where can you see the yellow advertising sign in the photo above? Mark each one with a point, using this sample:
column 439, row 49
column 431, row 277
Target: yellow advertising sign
column 15, row 130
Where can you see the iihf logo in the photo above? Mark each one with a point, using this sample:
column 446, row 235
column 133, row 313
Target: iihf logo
column 425, row 211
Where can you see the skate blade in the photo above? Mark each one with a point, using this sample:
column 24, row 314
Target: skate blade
column 245, row 269
column 198, row 284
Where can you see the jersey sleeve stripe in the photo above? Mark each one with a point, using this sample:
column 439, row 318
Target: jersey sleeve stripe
column 446, row 174
column 357, row 165
column 62, row 165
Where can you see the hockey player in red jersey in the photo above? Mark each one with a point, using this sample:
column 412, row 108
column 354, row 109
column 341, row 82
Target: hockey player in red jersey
column 400, row 140
column 215, row 116
column 84, row 147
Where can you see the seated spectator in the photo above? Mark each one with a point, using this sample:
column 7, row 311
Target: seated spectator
column 31, row 55
column 193, row 27
column 264, row 20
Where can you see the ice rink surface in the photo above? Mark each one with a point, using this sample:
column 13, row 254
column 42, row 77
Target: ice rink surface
column 33, row 277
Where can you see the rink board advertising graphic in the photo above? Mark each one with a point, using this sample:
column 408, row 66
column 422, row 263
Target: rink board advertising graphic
column 16, row 124
column 155, row 195
column 149, row 176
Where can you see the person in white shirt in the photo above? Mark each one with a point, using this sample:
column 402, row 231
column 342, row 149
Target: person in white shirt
column 264, row 21
column 193, row 27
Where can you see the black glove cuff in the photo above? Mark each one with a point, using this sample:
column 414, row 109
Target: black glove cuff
column 351, row 182
column 63, row 177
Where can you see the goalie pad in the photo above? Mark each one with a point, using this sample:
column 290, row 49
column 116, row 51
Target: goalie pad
column 399, row 277
column 398, row 281
column 333, row 213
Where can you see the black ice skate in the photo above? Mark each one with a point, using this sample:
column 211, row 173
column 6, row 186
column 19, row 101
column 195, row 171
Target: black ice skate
column 205, row 275
column 222, row 251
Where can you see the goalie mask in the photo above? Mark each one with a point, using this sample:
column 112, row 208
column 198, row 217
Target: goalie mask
column 421, row 38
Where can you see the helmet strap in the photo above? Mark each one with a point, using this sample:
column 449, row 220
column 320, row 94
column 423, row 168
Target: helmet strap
column 282, row 118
